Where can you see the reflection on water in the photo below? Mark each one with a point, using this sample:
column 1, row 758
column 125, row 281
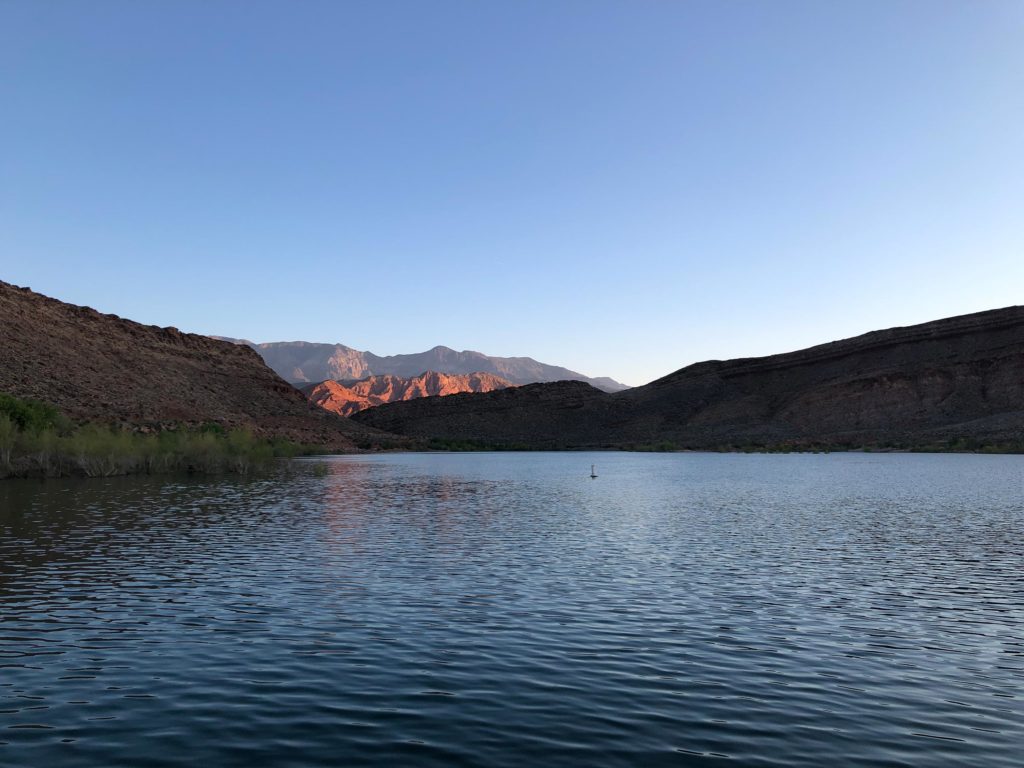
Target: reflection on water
column 504, row 609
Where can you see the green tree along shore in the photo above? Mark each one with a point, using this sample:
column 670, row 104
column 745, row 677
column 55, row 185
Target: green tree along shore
column 37, row 440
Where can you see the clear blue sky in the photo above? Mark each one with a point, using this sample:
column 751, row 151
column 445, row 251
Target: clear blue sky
column 619, row 187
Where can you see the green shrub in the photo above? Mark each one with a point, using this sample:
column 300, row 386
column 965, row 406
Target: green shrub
column 41, row 439
column 102, row 452
column 40, row 446
column 30, row 415
column 8, row 436
column 243, row 451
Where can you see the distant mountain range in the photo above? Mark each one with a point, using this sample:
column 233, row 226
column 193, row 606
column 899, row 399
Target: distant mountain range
column 952, row 383
column 305, row 362
column 346, row 398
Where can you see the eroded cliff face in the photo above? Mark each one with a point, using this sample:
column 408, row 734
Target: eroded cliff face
column 958, row 378
column 346, row 399
column 97, row 367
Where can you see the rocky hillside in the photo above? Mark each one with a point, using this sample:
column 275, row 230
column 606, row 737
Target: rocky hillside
column 304, row 362
column 97, row 367
column 346, row 398
column 960, row 378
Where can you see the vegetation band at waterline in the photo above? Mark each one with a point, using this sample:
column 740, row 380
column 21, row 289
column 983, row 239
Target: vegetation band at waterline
column 37, row 440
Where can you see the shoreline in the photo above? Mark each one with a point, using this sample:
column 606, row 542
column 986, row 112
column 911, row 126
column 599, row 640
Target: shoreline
column 278, row 463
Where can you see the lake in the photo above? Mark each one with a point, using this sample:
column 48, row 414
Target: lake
column 503, row 609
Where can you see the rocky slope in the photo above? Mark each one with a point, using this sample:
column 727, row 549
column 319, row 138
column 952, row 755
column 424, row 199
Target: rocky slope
column 952, row 379
column 346, row 398
column 304, row 362
column 97, row 367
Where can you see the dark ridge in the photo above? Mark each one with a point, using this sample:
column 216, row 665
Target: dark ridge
column 957, row 379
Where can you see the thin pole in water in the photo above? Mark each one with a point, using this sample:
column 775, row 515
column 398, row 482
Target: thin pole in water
column 592, row 474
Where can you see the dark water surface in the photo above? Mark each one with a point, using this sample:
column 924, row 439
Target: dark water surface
column 506, row 610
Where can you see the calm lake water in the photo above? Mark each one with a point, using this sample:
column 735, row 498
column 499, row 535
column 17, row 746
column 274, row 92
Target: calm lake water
column 506, row 610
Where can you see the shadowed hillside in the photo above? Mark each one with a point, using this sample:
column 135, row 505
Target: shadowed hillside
column 958, row 379
column 97, row 367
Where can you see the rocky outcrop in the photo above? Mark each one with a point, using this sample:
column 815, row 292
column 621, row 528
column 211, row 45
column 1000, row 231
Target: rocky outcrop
column 346, row 398
column 953, row 379
column 97, row 367
column 302, row 362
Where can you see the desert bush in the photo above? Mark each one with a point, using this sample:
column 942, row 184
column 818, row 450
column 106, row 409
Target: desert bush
column 242, row 451
column 40, row 446
column 102, row 452
column 8, row 436
column 30, row 415
column 38, row 439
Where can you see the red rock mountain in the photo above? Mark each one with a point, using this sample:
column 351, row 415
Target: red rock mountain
column 346, row 398
column 302, row 362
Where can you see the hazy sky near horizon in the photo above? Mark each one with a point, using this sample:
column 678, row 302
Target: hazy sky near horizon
column 622, row 188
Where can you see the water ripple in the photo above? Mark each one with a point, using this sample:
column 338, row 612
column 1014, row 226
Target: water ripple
column 505, row 610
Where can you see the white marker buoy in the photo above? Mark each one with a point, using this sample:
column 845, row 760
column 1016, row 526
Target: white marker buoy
column 592, row 474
